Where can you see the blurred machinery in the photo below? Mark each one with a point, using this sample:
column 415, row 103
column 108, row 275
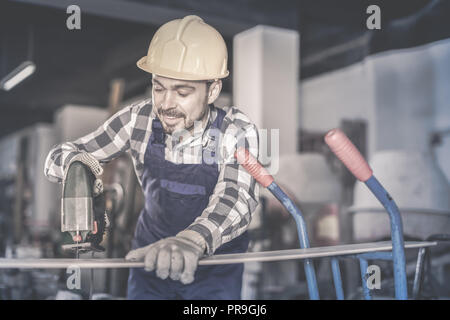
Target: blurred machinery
column 27, row 209
column 30, row 223
column 28, row 205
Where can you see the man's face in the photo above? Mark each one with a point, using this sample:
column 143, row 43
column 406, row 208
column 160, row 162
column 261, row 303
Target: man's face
column 179, row 103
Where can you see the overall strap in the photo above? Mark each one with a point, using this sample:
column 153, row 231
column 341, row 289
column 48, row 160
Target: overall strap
column 217, row 123
column 158, row 134
column 214, row 137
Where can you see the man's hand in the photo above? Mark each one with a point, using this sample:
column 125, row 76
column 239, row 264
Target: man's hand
column 95, row 167
column 176, row 257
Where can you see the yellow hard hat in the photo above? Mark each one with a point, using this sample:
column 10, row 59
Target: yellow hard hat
column 186, row 49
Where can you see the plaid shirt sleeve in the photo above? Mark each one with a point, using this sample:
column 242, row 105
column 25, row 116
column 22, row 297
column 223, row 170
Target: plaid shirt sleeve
column 236, row 194
column 104, row 144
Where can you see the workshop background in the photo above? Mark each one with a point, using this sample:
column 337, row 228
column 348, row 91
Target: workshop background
column 303, row 67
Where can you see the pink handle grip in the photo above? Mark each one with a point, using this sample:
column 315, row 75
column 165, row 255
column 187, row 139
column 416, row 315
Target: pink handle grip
column 253, row 167
column 346, row 151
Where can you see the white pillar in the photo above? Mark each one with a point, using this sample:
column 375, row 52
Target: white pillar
column 265, row 81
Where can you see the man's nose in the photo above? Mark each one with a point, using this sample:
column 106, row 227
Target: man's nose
column 169, row 100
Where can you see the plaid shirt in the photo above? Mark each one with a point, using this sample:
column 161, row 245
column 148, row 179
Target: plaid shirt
column 235, row 196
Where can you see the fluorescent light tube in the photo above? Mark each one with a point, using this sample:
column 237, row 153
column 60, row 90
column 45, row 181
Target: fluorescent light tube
column 19, row 74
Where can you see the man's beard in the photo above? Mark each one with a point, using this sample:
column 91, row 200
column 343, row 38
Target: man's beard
column 173, row 112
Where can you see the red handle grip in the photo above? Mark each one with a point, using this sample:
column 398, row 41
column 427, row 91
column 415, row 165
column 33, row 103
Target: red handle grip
column 252, row 165
column 346, row 151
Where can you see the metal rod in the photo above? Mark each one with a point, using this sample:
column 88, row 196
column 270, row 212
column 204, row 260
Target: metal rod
column 375, row 255
column 337, row 279
column 363, row 264
column 302, row 235
column 265, row 256
column 418, row 277
column 401, row 289
column 91, row 281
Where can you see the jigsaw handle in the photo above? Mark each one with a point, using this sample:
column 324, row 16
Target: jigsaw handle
column 346, row 151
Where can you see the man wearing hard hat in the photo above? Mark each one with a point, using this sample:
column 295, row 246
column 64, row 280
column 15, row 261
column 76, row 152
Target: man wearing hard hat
column 194, row 207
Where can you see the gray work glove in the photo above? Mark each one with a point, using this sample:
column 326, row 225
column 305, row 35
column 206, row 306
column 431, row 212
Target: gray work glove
column 176, row 257
column 95, row 168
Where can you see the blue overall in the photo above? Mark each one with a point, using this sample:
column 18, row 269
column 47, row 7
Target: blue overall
column 176, row 194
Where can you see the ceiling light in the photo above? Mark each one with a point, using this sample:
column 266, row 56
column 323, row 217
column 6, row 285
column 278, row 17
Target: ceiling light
column 19, row 74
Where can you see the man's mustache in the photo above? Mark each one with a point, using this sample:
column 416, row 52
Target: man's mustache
column 172, row 112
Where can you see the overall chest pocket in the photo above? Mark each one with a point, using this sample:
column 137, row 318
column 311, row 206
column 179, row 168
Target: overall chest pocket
column 186, row 199
column 182, row 190
column 181, row 203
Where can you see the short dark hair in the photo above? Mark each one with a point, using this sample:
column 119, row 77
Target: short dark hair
column 209, row 83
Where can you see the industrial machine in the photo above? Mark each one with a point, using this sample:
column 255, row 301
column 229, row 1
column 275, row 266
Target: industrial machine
column 31, row 207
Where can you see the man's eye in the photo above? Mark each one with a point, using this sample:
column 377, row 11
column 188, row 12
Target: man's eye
column 157, row 89
column 183, row 94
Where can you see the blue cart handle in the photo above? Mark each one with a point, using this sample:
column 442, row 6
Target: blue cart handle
column 264, row 178
column 346, row 151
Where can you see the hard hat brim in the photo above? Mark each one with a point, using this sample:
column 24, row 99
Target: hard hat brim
column 142, row 64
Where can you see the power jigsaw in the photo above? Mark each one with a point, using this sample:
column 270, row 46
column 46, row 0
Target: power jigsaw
column 83, row 215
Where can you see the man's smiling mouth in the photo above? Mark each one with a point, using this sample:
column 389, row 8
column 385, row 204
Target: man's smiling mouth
column 171, row 120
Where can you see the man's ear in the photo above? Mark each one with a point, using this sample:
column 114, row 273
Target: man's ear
column 214, row 90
